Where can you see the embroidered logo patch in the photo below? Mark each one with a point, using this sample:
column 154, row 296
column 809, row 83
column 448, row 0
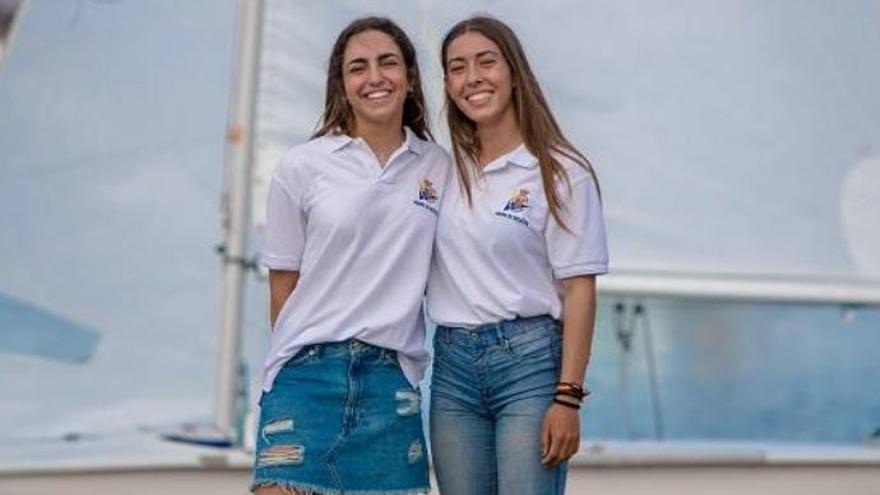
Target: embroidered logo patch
column 518, row 201
column 427, row 196
column 427, row 191
column 516, row 206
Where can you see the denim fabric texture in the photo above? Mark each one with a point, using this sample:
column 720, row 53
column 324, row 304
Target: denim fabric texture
column 491, row 388
column 342, row 418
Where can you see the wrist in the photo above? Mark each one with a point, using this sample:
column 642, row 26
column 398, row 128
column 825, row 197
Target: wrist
column 572, row 389
column 562, row 403
column 570, row 395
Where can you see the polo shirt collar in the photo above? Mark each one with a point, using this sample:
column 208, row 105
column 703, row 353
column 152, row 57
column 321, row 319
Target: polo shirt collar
column 336, row 142
column 413, row 142
column 520, row 156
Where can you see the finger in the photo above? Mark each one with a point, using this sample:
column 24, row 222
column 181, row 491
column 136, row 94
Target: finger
column 545, row 439
column 554, row 453
column 564, row 449
column 572, row 449
column 567, row 447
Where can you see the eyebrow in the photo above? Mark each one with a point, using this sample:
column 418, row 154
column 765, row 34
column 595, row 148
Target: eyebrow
column 363, row 60
column 478, row 55
column 386, row 56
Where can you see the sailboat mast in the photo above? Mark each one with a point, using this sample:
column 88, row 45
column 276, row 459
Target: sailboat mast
column 236, row 223
column 10, row 19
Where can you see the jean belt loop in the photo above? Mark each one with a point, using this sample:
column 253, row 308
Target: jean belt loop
column 500, row 335
column 447, row 334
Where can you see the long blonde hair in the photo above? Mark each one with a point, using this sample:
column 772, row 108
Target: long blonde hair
column 541, row 134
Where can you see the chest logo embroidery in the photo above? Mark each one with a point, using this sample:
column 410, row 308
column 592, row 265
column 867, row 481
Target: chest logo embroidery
column 516, row 206
column 518, row 201
column 427, row 191
column 427, row 196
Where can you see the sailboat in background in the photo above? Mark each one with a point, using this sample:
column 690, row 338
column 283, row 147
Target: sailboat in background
column 683, row 219
column 27, row 328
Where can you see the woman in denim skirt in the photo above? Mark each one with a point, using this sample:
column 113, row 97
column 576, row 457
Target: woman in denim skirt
column 520, row 240
column 350, row 228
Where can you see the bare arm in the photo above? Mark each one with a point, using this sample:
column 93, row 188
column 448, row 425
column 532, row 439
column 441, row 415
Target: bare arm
column 561, row 435
column 578, row 317
column 281, row 285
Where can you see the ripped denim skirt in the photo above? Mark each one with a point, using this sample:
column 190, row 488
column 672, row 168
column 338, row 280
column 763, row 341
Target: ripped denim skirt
column 341, row 418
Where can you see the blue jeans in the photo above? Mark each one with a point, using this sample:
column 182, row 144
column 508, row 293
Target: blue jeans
column 342, row 418
column 490, row 391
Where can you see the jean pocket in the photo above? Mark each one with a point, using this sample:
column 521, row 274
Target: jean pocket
column 537, row 343
column 388, row 357
column 306, row 354
column 534, row 344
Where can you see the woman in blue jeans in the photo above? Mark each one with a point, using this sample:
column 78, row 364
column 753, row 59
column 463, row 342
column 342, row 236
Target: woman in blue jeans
column 519, row 243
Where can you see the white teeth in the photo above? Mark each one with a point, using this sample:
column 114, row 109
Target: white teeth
column 479, row 97
column 377, row 94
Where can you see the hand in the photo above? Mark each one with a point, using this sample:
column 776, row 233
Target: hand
column 561, row 435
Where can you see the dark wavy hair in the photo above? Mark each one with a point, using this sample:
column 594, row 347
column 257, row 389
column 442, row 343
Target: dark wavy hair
column 337, row 112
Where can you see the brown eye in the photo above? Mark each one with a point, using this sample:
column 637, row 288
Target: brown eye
column 487, row 62
column 455, row 68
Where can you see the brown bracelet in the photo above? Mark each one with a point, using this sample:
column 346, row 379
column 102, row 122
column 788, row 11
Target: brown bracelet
column 571, row 389
column 568, row 398
column 566, row 404
column 570, row 393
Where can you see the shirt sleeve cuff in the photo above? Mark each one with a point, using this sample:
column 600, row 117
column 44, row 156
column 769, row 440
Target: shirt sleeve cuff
column 568, row 271
column 280, row 262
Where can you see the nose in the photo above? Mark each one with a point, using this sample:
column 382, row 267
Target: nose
column 473, row 77
column 374, row 75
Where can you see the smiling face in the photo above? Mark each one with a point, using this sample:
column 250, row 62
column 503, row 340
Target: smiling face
column 374, row 75
column 478, row 79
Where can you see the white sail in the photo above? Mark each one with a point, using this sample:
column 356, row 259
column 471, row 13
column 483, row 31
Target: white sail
column 111, row 161
column 112, row 132
column 736, row 142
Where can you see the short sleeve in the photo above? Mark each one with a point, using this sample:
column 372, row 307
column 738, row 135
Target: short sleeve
column 284, row 235
column 583, row 250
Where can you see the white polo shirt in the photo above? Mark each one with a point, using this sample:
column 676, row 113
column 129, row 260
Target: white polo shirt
column 361, row 238
column 504, row 256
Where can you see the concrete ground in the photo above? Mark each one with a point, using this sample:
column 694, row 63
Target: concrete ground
column 678, row 480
